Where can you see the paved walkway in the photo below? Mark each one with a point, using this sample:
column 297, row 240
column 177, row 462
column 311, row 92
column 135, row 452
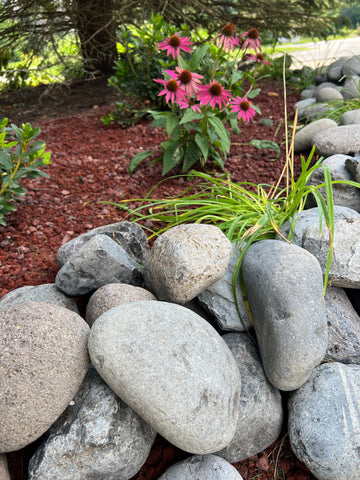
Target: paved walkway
column 323, row 53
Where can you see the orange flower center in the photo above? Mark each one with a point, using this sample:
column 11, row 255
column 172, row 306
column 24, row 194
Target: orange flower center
column 253, row 33
column 215, row 89
column 185, row 77
column 245, row 105
column 172, row 86
column 260, row 57
column 228, row 30
column 174, row 41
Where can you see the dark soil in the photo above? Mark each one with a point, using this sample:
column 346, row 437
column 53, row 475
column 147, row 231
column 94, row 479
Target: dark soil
column 90, row 165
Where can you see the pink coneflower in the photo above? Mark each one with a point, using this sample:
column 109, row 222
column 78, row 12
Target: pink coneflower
column 259, row 57
column 188, row 81
column 226, row 38
column 213, row 93
column 172, row 90
column 174, row 44
column 252, row 40
column 243, row 106
column 195, row 107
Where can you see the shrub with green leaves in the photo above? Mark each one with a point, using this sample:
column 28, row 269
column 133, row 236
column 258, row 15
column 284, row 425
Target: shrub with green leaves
column 21, row 156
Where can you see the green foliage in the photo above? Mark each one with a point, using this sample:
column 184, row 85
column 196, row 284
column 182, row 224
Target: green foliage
column 21, row 156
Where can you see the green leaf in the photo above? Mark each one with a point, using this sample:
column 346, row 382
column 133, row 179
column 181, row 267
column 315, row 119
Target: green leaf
column 173, row 154
column 203, row 143
column 139, row 157
column 236, row 76
column 190, row 115
column 172, row 122
column 221, row 132
column 234, row 124
column 197, row 56
column 261, row 144
column 254, row 93
column 192, row 155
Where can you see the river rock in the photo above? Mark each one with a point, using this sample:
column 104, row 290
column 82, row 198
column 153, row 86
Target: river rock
column 303, row 139
column 48, row 293
column 98, row 436
column 351, row 87
column 344, row 139
column 202, row 467
column 308, row 92
column 112, row 295
column 261, row 413
column 292, row 333
column 345, row 267
column 301, row 105
column 315, row 111
column 130, row 236
column 350, row 117
column 327, row 94
column 343, row 327
column 353, row 165
column 43, row 359
column 218, row 299
column 343, row 194
column 173, row 369
column 351, row 66
column 185, row 260
column 99, row 262
column 324, row 422
column 334, row 72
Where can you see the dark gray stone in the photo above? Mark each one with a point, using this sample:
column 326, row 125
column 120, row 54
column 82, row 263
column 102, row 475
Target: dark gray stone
column 353, row 165
column 344, row 139
column 218, row 300
column 343, row 326
column 48, row 293
column 43, row 360
column 173, row 369
column 303, row 139
column 98, row 436
column 315, row 111
column 351, row 66
column 185, row 260
column 202, row 467
column 324, row 419
column 334, row 73
column 130, row 236
column 327, row 94
column 99, row 262
column 351, row 87
column 261, row 413
column 292, row 333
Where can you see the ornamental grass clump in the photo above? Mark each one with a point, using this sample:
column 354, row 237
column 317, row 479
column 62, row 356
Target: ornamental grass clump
column 201, row 105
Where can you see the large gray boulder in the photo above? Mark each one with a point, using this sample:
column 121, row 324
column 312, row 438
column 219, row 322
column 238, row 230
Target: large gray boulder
column 351, row 66
column 185, row 260
column 173, row 369
column 327, row 94
column 260, row 406
column 344, row 139
column 43, row 359
column 351, row 87
column 324, row 419
column 130, row 236
column 334, row 72
column 291, row 332
column 100, row 261
column 48, row 293
column 98, row 436
column 350, row 117
column 202, row 467
column 303, row 139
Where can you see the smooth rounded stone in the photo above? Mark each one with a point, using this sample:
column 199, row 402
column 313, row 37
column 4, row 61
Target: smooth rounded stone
column 324, row 422
column 344, row 139
column 99, row 262
column 350, row 117
column 98, row 436
column 43, row 360
column 218, row 299
column 315, row 111
column 353, row 165
column 185, row 260
column 351, row 87
column 302, row 104
column 324, row 85
column 112, row 295
column 173, row 369
column 334, row 73
column 351, row 66
column 308, row 217
column 4, row 471
column 328, row 94
column 130, row 236
column 343, row 326
column 261, row 412
column 344, row 195
column 47, row 292
column 308, row 92
column 202, row 467
column 345, row 266
column 291, row 333
column 303, row 139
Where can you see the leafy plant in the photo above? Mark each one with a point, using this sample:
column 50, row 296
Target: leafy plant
column 201, row 105
column 20, row 157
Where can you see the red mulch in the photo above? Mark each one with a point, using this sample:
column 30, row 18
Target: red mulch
column 90, row 164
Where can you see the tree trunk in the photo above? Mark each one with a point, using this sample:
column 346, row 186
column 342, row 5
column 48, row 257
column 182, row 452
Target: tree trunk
column 96, row 29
